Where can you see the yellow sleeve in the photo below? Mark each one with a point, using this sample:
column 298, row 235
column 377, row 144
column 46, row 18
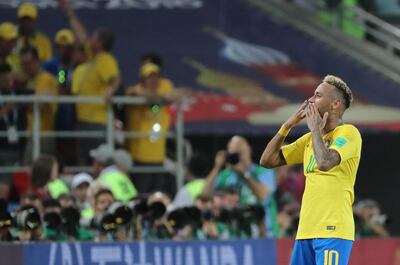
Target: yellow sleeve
column 44, row 47
column 166, row 86
column 347, row 142
column 133, row 90
column 77, row 76
column 107, row 68
column 294, row 152
column 46, row 84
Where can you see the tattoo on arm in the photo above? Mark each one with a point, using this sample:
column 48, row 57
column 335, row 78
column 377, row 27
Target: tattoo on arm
column 326, row 158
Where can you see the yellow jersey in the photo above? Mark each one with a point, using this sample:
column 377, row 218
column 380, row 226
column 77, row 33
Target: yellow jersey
column 39, row 41
column 92, row 79
column 141, row 118
column 46, row 85
column 326, row 210
column 15, row 63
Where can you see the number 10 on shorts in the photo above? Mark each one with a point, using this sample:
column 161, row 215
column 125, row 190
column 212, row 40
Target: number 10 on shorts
column 330, row 256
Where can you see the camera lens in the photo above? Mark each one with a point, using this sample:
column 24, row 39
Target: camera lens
column 233, row 158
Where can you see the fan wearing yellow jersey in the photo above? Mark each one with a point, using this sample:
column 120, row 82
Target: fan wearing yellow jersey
column 330, row 154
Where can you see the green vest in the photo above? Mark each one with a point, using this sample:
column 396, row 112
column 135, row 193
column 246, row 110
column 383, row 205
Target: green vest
column 346, row 17
column 121, row 186
column 87, row 213
column 195, row 187
column 56, row 188
column 348, row 24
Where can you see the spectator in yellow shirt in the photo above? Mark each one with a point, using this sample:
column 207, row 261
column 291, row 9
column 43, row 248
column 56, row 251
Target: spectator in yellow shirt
column 28, row 36
column 152, row 118
column 40, row 83
column 97, row 77
column 8, row 37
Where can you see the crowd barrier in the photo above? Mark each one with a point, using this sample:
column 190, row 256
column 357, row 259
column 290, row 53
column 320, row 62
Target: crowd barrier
column 230, row 252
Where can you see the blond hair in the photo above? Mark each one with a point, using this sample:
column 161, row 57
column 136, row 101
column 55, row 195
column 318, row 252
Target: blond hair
column 342, row 87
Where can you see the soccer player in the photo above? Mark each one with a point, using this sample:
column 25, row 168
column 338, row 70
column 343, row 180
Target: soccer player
column 330, row 153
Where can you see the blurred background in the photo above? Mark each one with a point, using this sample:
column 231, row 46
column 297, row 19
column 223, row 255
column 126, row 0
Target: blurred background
column 126, row 120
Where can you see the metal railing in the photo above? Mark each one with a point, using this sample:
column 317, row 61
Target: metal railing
column 109, row 134
column 385, row 33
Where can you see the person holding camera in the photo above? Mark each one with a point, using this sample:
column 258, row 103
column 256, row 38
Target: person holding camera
column 255, row 184
column 369, row 221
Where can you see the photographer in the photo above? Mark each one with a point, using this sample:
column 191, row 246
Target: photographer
column 154, row 221
column 12, row 120
column 45, row 181
column 369, row 220
column 102, row 200
column 255, row 184
column 28, row 224
column 5, row 222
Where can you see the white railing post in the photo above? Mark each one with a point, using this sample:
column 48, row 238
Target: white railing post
column 36, row 131
column 179, row 145
column 110, row 126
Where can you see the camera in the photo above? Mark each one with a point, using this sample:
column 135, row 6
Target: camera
column 184, row 216
column 103, row 222
column 27, row 218
column 380, row 219
column 119, row 214
column 122, row 213
column 66, row 222
column 5, row 217
column 232, row 158
column 243, row 218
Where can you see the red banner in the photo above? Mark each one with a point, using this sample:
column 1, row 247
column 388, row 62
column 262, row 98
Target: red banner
column 365, row 252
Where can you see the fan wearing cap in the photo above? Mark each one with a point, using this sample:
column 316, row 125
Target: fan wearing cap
column 79, row 189
column 28, row 35
column 61, row 66
column 108, row 171
column 152, row 118
column 8, row 40
column 99, row 76
column 40, row 83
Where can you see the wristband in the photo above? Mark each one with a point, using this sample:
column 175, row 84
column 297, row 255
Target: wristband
column 283, row 131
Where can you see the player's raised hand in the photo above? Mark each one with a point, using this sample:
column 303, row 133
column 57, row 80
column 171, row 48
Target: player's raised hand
column 314, row 119
column 298, row 116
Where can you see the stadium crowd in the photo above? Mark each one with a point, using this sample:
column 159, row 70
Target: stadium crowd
column 233, row 198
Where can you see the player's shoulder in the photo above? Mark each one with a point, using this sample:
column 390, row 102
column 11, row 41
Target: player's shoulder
column 305, row 136
column 347, row 130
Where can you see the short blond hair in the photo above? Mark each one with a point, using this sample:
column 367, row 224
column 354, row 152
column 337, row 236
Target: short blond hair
column 342, row 87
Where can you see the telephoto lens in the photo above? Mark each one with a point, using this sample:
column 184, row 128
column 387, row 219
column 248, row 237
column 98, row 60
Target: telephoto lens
column 27, row 218
column 122, row 213
column 232, row 158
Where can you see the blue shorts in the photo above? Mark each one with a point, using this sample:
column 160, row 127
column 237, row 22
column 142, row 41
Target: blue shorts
column 321, row 251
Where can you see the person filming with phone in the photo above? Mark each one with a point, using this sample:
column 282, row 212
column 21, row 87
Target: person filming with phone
column 234, row 170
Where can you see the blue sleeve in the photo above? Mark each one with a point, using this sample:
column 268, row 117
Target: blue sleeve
column 217, row 182
column 51, row 67
column 267, row 178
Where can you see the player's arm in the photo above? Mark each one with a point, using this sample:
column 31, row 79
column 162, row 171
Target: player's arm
column 272, row 155
column 326, row 158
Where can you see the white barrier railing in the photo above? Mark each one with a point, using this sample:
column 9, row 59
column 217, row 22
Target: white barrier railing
column 109, row 134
